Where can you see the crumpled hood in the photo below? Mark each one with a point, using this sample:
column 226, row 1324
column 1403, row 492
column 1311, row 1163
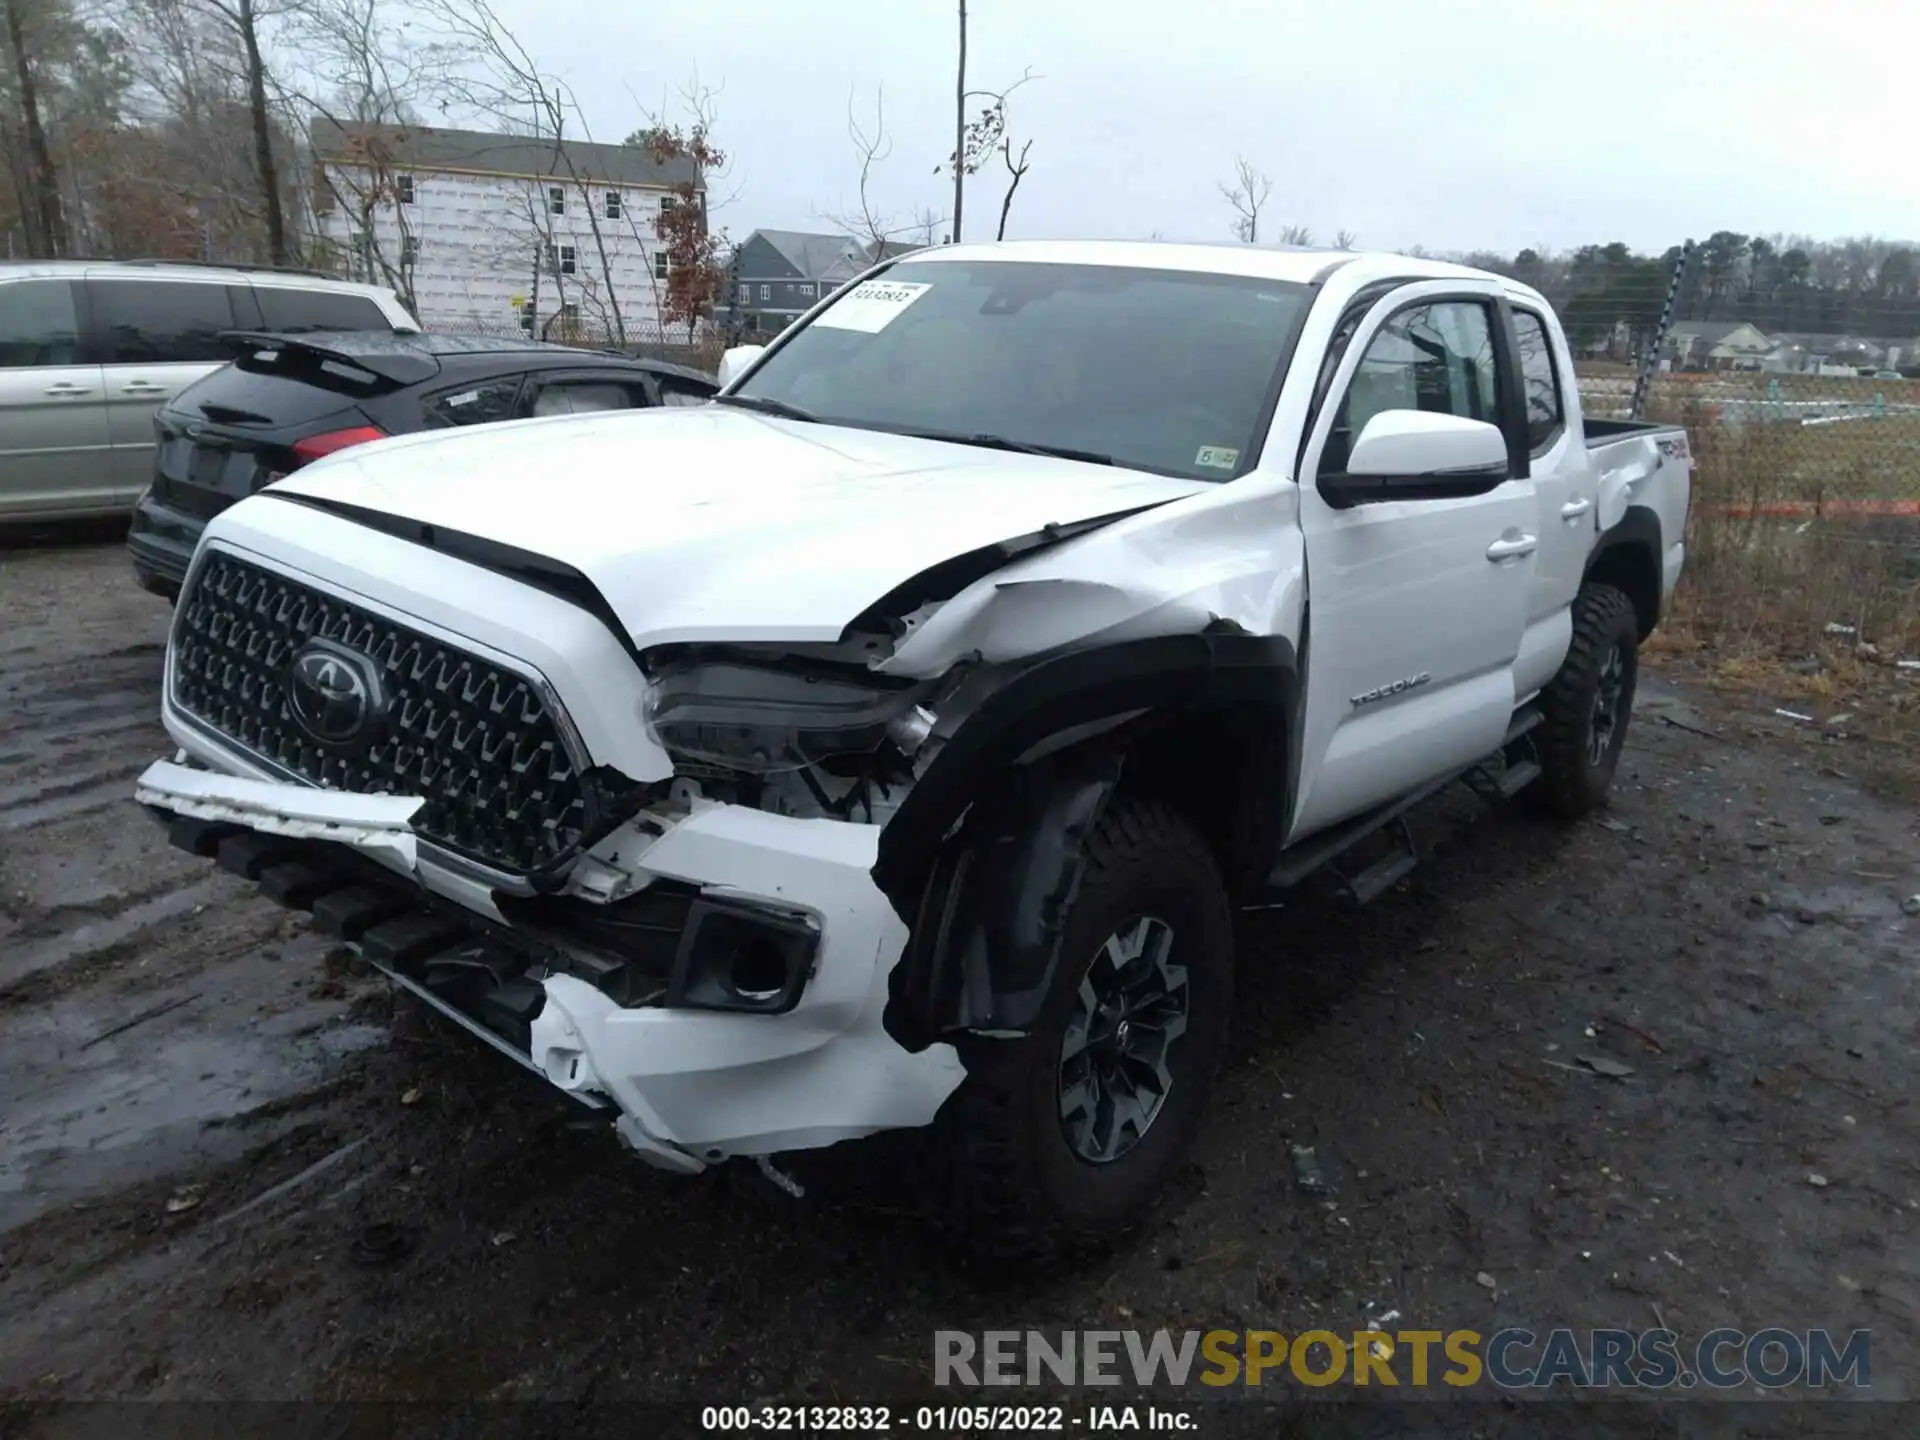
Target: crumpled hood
column 712, row 523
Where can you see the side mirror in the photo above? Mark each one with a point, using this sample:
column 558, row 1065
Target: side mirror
column 736, row 361
column 1418, row 455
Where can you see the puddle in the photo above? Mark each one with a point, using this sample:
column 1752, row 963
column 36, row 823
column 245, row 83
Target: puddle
column 89, row 1111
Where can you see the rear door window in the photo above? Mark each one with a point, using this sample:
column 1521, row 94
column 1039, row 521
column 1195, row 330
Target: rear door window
column 480, row 403
column 676, row 391
column 588, row 394
column 305, row 312
column 1545, row 414
column 39, row 325
column 158, row 322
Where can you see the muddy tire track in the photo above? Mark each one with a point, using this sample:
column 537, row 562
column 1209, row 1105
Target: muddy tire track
column 148, row 1005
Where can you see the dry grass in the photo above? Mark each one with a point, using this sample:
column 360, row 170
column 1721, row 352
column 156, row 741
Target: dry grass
column 1762, row 593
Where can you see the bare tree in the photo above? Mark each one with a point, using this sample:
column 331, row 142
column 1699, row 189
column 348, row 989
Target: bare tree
column 980, row 139
column 876, row 229
column 182, row 177
column 1295, row 235
column 500, row 78
column 365, row 78
column 1345, row 240
column 244, row 17
column 1248, row 196
column 924, row 226
column 871, row 145
column 47, row 226
column 975, row 140
column 1017, row 169
column 363, row 177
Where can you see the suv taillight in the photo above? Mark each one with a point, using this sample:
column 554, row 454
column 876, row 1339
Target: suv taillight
column 315, row 446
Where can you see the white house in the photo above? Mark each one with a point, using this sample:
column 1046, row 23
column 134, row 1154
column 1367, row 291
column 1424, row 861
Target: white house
column 1717, row 344
column 488, row 232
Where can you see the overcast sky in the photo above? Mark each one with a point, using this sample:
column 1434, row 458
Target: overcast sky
column 1445, row 123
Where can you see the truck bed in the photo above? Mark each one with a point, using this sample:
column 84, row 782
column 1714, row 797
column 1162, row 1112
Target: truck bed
column 1639, row 462
column 1605, row 432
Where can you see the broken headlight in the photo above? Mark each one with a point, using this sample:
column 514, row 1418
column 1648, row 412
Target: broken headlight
column 760, row 719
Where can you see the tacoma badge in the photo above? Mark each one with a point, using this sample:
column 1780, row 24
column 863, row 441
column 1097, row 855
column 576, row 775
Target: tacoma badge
column 1398, row 687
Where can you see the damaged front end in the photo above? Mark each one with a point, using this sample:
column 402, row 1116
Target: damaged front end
column 727, row 1003
column 813, row 864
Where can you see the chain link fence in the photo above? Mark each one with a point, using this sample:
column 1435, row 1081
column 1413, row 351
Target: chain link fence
column 700, row 347
column 1802, row 400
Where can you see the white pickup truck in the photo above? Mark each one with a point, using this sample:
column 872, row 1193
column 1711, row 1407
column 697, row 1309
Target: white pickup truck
column 890, row 742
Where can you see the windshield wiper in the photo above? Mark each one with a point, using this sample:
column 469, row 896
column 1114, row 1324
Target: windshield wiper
column 1018, row 447
column 784, row 409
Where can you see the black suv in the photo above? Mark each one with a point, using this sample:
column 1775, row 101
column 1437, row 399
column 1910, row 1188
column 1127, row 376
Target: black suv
column 289, row 399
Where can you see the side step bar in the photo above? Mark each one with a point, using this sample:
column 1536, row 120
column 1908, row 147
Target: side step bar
column 1299, row 862
column 1381, row 876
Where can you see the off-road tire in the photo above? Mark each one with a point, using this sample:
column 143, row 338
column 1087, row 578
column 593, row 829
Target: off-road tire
column 1572, row 782
column 1003, row 1178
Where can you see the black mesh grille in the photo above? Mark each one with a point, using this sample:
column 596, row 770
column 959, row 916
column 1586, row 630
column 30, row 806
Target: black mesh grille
column 478, row 742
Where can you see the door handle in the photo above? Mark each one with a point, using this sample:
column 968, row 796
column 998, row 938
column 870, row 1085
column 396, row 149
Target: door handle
column 142, row 387
column 1574, row 509
column 67, row 387
column 1511, row 549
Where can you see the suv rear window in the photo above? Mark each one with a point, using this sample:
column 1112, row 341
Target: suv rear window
column 243, row 394
column 302, row 312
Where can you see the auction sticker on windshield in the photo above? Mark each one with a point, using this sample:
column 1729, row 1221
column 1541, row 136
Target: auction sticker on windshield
column 872, row 306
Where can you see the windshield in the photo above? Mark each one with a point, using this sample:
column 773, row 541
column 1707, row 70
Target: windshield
column 1160, row 370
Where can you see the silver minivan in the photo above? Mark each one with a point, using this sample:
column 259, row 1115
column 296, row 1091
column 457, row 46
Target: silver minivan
column 90, row 348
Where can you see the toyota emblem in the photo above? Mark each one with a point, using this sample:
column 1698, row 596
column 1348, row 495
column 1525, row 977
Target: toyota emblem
column 335, row 693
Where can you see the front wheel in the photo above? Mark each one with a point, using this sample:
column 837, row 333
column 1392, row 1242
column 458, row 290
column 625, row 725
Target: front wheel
column 1587, row 706
column 1067, row 1134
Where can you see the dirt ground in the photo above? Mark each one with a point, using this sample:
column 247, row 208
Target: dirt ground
column 204, row 1110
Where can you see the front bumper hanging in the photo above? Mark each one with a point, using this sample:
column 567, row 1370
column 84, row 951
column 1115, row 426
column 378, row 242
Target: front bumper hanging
column 689, row 1075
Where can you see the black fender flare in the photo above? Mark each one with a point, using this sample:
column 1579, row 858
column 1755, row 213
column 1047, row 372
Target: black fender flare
column 1640, row 525
column 986, row 939
column 983, row 859
column 1637, row 540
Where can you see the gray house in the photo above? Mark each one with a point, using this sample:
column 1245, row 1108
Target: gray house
column 1716, row 345
column 1832, row 354
column 779, row 275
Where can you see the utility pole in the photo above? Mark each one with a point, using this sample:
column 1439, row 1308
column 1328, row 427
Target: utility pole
column 533, row 299
column 960, row 127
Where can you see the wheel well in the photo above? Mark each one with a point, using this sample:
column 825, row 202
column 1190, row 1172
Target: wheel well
column 1225, row 771
column 983, row 858
column 1633, row 569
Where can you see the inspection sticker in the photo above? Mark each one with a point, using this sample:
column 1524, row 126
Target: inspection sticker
column 1217, row 457
column 871, row 306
